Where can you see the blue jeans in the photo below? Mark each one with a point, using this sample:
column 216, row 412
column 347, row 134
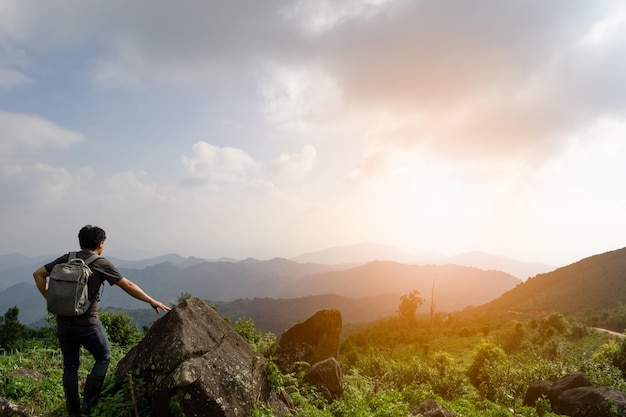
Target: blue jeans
column 93, row 338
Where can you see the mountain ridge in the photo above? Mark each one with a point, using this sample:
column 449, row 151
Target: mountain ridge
column 597, row 282
column 285, row 279
column 17, row 267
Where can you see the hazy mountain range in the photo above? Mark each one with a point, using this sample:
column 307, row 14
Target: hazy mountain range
column 366, row 252
column 277, row 293
column 353, row 272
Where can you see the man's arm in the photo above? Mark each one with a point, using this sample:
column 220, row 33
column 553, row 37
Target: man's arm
column 133, row 290
column 41, row 282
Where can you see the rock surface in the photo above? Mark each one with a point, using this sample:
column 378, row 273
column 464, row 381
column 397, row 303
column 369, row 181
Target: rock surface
column 431, row 408
column 574, row 395
column 8, row 409
column 192, row 358
column 591, row 402
column 327, row 377
column 311, row 341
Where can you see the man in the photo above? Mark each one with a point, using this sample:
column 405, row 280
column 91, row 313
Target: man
column 86, row 329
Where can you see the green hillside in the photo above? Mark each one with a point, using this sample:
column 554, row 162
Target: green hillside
column 593, row 284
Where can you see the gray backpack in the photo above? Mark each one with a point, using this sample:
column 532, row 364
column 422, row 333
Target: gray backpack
column 67, row 288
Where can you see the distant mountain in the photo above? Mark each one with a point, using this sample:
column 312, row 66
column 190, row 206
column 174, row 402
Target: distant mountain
column 223, row 281
column 131, row 254
column 366, row 252
column 15, row 260
column 24, row 296
column 280, row 291
column 364, row 293
column 361, row 253
column 594, row 283
column 455, row 287
column 172, row 258
column 17, row 268
column 519, row 269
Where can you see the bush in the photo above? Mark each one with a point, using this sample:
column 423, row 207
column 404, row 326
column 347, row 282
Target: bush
column 119, row 330
column 448, row 379
column 245, row 328
column 486, row 357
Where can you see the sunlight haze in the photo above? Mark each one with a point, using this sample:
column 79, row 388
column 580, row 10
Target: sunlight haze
column 272, row 129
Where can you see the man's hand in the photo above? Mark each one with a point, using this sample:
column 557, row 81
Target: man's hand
column 157, row 305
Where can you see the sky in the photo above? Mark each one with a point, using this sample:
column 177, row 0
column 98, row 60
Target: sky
column 275, row 128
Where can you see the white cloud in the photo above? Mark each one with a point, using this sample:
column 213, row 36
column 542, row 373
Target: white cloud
column 22, row 131
column 295, row 164
column 44, row 185
column 212, row 165
column 606, row 29
column 458, row 78
column 298, row 98
column 135, row 186
column 317, row 17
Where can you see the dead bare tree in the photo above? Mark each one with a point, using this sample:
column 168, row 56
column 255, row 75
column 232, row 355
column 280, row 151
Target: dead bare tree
column 432, row 303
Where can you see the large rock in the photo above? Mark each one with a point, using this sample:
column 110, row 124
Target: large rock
column 191, row 357
column 569, row 381
column 591, row 402
column 431, row 408
column 552, row 389
column 574, row 395
column 8, row 409
column 327, row 377
column 537, row 390
column 312, row 341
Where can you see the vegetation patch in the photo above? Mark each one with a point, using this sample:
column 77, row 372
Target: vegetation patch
column 472, row 365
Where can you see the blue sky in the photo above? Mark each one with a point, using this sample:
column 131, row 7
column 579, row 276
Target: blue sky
column 263, row 129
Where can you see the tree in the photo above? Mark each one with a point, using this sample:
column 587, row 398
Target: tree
column 432, row 303
column 12, row 332
column 409, row 303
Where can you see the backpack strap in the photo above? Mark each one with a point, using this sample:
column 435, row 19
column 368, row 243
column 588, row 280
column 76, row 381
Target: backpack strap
column 91, row 259
column 87, row 262
column 72, row 255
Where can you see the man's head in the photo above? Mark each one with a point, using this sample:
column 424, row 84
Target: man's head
column 90, row 237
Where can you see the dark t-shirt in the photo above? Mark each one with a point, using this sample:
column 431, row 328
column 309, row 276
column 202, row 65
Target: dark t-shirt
column 103, row 270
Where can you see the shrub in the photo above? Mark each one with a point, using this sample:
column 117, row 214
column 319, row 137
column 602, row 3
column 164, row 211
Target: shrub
column 487, row 355
column 448, row 379
column 119, row 330
column 245, row 328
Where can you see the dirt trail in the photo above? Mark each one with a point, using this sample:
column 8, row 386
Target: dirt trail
column 612, row 333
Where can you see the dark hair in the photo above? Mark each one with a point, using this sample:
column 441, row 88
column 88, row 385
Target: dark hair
column 90, row 237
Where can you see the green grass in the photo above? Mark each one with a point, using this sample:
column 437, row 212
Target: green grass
column 33, row 378
column 390, row 368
